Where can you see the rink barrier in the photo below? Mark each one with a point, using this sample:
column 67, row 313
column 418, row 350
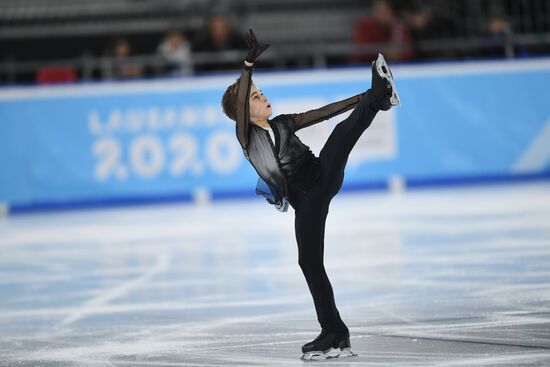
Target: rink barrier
column 145, row 142
column 482, row 180
column 54, row 206
column 186, row 198
column 4, row 210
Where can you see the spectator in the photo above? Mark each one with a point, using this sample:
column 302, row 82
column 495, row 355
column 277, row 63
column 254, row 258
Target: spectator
column 219, row 36
column 384, row 32
column 120, row 65
column 175, row 50
column 424, row 25
column 500, row 38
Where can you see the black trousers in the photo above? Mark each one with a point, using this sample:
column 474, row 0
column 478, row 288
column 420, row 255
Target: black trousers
column 311, row 210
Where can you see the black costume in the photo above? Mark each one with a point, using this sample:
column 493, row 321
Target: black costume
column 307, row 181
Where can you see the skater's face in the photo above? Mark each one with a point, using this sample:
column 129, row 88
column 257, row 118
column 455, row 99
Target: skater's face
column 260, row 108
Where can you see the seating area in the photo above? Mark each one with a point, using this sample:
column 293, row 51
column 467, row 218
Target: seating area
column 307, row 33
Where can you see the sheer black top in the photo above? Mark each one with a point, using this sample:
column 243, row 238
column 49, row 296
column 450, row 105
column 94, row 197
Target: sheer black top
column 288, row 161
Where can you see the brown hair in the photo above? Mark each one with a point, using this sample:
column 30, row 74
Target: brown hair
column 229, row 101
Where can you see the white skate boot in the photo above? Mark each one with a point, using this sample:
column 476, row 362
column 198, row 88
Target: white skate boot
column 385, row 73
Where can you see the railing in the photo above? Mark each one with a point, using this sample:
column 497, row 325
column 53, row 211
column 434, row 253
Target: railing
column 311, row 55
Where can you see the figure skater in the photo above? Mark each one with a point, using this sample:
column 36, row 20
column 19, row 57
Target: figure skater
column 290, row 173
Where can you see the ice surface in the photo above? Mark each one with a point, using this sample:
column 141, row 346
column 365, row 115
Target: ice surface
column 453, row 277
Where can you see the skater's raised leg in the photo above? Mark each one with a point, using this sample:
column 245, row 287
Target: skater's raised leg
column 345, row 135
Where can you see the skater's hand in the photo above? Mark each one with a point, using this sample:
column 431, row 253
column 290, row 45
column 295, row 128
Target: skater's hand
column 255, row 48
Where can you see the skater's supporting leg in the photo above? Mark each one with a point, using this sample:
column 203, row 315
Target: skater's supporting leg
column 310, row 221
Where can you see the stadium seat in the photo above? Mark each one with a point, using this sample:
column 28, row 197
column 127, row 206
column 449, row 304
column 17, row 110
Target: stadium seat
column 58, row 74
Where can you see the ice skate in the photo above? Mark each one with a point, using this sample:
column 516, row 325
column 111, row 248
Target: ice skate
column 384, row 72
column 327, row 346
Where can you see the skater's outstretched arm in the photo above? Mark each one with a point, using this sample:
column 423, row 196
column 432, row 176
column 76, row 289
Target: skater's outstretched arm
column 243, row 89
column 243, row 109
column 312, row 117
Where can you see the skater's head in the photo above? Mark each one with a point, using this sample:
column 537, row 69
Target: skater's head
column 229, row 101
column 260, row 107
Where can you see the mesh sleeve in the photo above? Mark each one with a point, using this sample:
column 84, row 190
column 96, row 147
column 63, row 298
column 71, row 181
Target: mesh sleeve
column 312, row 117
column 243, row 112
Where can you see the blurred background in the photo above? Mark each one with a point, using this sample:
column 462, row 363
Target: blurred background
column 62, row 40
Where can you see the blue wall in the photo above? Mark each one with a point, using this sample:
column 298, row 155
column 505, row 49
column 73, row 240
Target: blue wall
column 152, row 140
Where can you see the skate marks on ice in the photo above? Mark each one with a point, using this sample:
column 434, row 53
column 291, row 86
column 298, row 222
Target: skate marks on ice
column 433, row 278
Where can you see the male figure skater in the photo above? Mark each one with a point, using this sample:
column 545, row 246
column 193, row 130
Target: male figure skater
column 292, row 172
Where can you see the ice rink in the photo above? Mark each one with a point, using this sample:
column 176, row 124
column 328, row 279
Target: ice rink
column 442, row 277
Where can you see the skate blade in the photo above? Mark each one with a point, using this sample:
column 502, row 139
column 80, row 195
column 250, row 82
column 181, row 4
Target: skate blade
column 385, row 72
column 330, row 354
